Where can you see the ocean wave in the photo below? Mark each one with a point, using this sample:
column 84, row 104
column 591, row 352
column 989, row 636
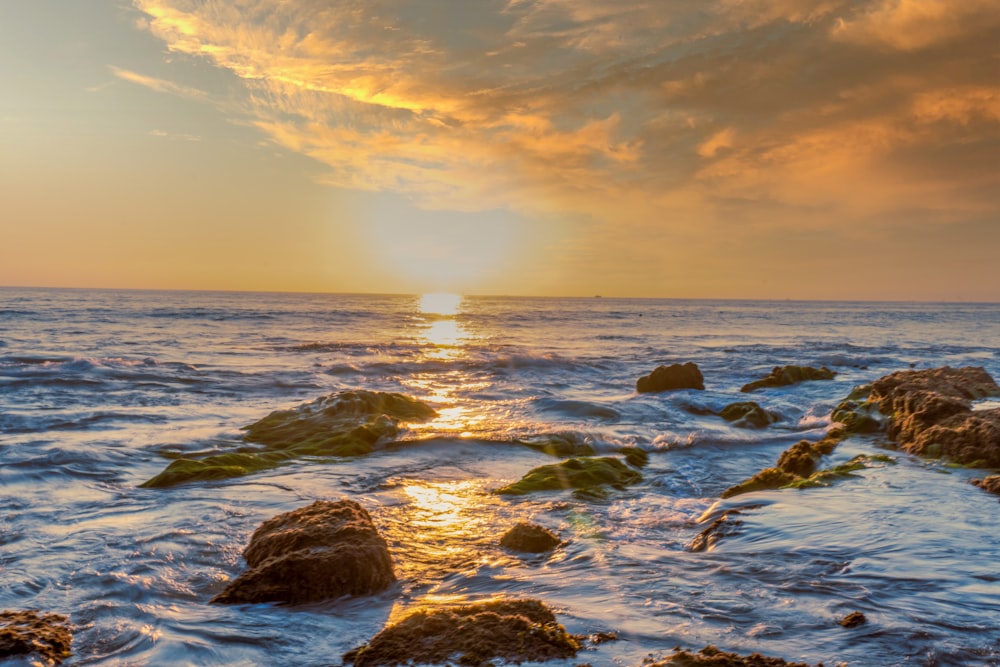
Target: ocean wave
column 572, row 408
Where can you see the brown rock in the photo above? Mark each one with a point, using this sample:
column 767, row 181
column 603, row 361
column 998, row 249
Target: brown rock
column 853, row 620
column 781, row 376
column 319, row 552
column 723, row 526
column 990, row 484
column 472, row 635
column 530, row 538
column 675, row 376
column 710, row 656
column 931, row 413
column 23, row 633
column 800, row 459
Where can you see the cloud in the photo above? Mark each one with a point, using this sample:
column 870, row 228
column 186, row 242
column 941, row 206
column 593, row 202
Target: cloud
column 619, row 112
column 159, row 85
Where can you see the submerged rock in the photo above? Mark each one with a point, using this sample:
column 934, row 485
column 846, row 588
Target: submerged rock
column 348, row 423
column 747, row 414
column 568, row 443
column 930, row 413
column 853, row 620
column 990, row 484
column 711, row 656
column 530, row 538
column 727, row 525
column 319, row 552
column 579, row 473
column 785, row 375
column 25, row 633
column 675, row 376
column 473, row 635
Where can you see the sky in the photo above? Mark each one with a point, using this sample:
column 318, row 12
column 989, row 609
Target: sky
column 780, row 149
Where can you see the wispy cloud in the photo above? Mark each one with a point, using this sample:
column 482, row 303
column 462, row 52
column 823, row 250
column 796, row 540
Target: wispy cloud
column 620, row 111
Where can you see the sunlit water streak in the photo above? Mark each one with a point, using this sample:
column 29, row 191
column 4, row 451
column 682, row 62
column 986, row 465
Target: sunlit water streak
column 96, row 385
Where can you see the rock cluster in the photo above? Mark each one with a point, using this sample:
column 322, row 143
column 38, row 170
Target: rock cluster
column 929, row 412
column 319, row 552
column 25, row 633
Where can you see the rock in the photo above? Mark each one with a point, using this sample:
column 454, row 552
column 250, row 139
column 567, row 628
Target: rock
column 786, row 375
column 348, row 423
column 931, row 413
column 635, row 457
column 23, row 633
column 796, row 467
column 726, row 525
column 675, row 376
column 747, row 414
column 323, row 551
column 568, row 443
column 853, row 620
column 530, row 538
column 710, row 656
column 473, row 635
column 580, row 473
column 800, row 459
column 990, row 484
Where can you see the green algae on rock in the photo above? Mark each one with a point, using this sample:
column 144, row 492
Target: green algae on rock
column 322, row 551
column 579, row 473
column 24, row 633
column 348, row 423
column 781, row 376
column 472, row 635
column 747, row 414
column 710, row 656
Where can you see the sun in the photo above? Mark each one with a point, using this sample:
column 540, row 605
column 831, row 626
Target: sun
column 440, row 303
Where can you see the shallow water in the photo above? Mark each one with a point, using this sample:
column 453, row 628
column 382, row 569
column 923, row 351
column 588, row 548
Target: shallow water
column 95, row 386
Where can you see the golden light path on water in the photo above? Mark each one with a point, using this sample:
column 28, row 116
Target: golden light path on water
column 447, row 338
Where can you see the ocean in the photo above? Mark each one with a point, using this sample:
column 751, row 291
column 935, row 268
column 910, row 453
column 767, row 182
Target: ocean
column 99, row 388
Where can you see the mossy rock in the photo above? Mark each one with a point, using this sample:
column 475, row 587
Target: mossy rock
column 837, row 473
column 747, row 414
column 578, row 473
column 635, row 457
column 768, row 478
column 346, row 424
column 474, row 635
column 857, row 417
column 781, row 376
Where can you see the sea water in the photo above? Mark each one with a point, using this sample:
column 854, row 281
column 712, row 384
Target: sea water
column 97, row 388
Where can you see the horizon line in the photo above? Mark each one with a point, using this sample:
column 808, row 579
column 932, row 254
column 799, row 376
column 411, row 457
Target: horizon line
column 495, row 296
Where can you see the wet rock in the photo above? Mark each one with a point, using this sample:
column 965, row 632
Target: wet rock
column 990, row 484
column 747, row 414
column 796, row 467
column 785, row 375
column 675, row 376
column 581, row 473
column 930, row 413
column 530, row 538
column 711, row 656
column 25, row 633
column 635, row 457
column 559, row 444
column 726, row 525
column 473, row 635
column 853, row 620
column 323, row 551
column 348, row 423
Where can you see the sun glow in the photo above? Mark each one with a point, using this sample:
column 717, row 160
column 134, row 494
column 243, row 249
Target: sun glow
column 440, row 303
